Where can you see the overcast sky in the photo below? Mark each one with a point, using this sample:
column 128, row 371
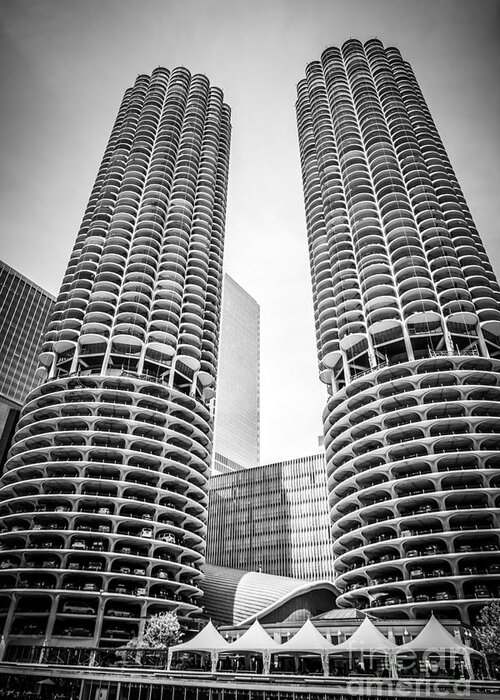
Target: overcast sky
column 65, row 64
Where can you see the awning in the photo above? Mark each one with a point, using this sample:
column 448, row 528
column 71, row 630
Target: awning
column 207, row 641
column 307, row 640
column 436, row 637
column 366, row 638
column 254, row 639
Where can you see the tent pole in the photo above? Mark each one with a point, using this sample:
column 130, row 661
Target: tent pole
column 324, row 663
column 487, row 667
column 468, row 665
column 266, row 662
column 393, row 665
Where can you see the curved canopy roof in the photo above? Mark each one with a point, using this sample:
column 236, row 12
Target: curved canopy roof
column 237, row 597
column 307, row 640
column 208, row 639
column 254, row 639
column 435, row 636
column 366, row 638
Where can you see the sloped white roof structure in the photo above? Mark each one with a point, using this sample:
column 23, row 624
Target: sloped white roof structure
column 366, row 638
column 254, row 639
column 307, row 640
column 238, row 597
column 435, row 636
column 208, row 639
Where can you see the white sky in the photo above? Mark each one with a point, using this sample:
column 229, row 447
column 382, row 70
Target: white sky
column 64, row 65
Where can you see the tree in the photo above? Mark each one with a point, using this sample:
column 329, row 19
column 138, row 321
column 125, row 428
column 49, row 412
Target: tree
column 161, row 631
column 488, row 629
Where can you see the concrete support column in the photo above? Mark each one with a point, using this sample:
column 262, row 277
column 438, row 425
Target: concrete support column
column 481, row 342
column 140, row 362
column 52, row 616
column 192, row 388
column 74, row 362
column 10, row 614
column 105, row 359
column 172, row 372
column 53, row 369
column 347, row 371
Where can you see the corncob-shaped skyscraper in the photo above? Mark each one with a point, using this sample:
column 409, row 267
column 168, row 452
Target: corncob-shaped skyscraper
column 408, row 333
column 104, row 495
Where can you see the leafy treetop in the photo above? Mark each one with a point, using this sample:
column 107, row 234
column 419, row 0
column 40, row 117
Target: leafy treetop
column 488, row 628
column 162, row 630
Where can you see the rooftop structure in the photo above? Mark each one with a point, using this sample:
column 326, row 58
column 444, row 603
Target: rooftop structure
column 236, row 597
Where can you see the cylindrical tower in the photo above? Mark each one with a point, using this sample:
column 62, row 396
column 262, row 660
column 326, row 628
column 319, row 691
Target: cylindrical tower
column 104, row 496
column 407, row 320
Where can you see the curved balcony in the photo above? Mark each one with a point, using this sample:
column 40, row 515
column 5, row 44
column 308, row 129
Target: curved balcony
column 129, row 522
column 412, row 459
column 109, row 466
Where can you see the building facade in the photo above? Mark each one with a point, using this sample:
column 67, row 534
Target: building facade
column 408, row 333
column 273, row 519
column 237, row 407
column 104, row 495
column 24, row 312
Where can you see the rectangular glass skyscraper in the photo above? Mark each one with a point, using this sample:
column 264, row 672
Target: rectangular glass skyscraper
column 24, row 312
column 237, row 407
column 407, row 312
column 272, row 518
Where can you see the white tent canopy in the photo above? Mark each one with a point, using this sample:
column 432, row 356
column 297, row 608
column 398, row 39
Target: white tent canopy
column 308, row 639
column 208, row 641
column 256, row 640
column 435, row 637
column 366, row 638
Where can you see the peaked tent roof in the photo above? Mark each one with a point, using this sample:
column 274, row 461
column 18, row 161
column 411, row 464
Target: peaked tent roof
column 366, row 637
column 207, row 639
column 435, row 636
column 307, row 639
column 254, row 639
